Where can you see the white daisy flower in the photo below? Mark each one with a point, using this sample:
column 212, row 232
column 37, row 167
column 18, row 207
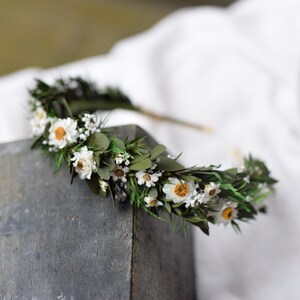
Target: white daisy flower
column 179, row 191
column 247, row 179
column 211, row 190
column 192, row 202
column 38, row 121
column 118, row 159
column 84, row 163
column 152, row 202
column 122, row 157
column 146, row 178
column 119, row 173
column 225, row 212
column 91, row 123
column 63, row 132
column 195, row 199
column 35, row 103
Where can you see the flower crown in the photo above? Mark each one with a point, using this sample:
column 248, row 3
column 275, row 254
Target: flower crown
column 129, row 169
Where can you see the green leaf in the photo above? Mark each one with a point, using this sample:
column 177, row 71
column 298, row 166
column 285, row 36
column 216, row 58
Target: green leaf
column 232, row 171
column 261, row 197
column 109, row 162
column 174, row 205
column 59, row 161
column 139, row 158
column 116, row 145
column 178, row 211
column 153, row 193
column 99, row 141
column 191, row 178
column 156, row 151
column 167, row 206
column 97, row 158
column 169, row 165
column 195, row 219
column 94, row 183
column 235, row 226
column 36, row 142
column 65, row 105
column 203, row 226
column 46, row 131
column 229, row 187
column 141, row 165
column 104, row 173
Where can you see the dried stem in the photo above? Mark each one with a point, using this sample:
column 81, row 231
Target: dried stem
column 175, row 121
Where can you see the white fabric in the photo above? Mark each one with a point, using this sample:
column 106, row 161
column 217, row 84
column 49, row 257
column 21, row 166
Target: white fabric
column 234, row 69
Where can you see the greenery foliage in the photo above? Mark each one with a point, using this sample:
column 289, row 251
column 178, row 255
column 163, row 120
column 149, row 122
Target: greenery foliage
column 130, row 170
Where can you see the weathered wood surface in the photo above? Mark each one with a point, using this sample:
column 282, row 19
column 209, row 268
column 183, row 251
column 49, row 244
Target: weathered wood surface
column 59, row 241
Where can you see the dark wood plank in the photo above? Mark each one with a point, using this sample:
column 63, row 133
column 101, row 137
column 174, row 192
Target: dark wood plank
column 59, row 241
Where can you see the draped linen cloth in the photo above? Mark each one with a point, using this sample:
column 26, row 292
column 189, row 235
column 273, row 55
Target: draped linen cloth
column 236, row 70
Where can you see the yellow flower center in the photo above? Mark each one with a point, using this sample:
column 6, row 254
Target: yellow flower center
column 212, row 192
column 119, row 173
column 40, row 115
column 181, row 189
column 59, row 133
column 80, row 165
column 153, row 202
column 227, row 213
column 147, row 177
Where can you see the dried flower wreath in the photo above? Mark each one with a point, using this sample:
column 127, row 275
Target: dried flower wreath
column 149, row 178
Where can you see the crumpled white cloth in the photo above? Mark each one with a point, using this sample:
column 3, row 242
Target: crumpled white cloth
column 237, row 70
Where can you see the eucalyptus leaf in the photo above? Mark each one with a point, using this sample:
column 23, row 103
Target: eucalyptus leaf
column 110, row 163
column 169, row 165
column 104, row 173
column 139, row 158
column 157, row 151
column 153, row 193
column 99, row 141
column 97, row 158
column 141, row 165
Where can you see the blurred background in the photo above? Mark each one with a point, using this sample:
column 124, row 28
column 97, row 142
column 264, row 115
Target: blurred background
column 47, row 33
